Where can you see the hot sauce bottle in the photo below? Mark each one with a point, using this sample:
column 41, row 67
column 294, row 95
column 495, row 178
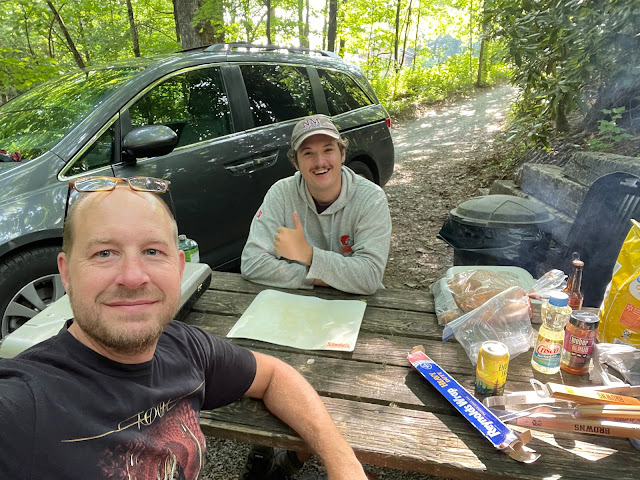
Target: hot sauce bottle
column 573, row 284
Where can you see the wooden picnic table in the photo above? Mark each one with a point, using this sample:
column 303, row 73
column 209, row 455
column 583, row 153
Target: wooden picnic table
column 390, row 414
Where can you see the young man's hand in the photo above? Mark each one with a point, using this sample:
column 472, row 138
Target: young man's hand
column 290, row 242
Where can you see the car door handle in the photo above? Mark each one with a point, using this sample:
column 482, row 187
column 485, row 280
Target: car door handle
column 250, row 166
column 266, row 161
column 239, row 168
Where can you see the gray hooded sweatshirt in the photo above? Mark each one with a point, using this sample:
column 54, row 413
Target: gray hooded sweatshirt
column 350, row 239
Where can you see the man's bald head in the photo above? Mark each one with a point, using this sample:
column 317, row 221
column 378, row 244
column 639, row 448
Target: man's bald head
column 83, row 201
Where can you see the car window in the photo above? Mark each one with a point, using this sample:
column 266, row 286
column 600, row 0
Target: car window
column 342, row 92
column 194, row 104
column 35, row 121
column 277, row 92
column 99, row 154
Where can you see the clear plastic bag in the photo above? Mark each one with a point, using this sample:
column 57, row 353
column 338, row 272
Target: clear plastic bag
column 615, row 362
column 506, row 317
column 551, row 281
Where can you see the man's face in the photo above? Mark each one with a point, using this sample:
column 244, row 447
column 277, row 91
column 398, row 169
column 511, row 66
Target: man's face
column 319, row 159
column 123, row 275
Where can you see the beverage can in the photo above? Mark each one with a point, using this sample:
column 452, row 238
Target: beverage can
column 491, row 371
column 190, row 249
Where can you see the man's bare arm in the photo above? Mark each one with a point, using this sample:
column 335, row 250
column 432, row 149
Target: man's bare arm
column 290, row 397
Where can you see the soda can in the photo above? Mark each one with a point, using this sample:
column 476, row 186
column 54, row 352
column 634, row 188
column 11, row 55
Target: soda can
column 491, row 371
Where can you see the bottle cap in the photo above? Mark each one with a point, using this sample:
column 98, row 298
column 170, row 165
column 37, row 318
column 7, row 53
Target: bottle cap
column 559, row 299
column 584, row 320
column 182, row 237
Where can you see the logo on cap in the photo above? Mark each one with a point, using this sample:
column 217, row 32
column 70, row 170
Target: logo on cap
column 311, row 123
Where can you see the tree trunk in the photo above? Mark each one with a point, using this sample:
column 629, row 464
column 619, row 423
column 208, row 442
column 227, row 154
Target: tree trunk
column 175, row 21
column 396, row 41
column 415, row 45
column 406, row 32
column 306, row 23
column 269, row 22
column 562, row 124
column 481, row 61
column 26, row 30
column 76, row 55
column 133, row 29
column 333, row 25
column 85, row 50
column 190, row 35
column 324, row 26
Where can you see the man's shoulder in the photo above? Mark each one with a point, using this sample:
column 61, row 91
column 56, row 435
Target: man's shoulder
column 286, row 184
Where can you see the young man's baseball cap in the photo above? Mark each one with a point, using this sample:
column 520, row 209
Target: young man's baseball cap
column 314, row 125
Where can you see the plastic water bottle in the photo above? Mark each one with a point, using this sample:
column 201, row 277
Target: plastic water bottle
column 555, row 315
column 190, row 249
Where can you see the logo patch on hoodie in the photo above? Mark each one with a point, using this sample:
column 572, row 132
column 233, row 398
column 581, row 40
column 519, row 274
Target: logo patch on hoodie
column 259, row 214
column 346, row 242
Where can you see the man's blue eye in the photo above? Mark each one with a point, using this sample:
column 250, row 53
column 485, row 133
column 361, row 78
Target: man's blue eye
column 152, row 251
column 104, row 253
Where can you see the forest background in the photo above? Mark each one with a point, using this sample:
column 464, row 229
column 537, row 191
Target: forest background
column 576, row 62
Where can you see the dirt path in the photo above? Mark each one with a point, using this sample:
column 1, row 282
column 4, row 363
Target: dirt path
column 439, row 158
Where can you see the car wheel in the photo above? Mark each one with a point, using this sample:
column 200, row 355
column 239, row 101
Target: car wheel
column 361, row 168
column 29, row 282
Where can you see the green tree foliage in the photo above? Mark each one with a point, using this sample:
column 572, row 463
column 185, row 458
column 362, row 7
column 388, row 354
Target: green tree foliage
column 430, row 52
column 568, row 55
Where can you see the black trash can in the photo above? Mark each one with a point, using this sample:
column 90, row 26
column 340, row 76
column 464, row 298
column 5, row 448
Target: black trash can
column 498, row 230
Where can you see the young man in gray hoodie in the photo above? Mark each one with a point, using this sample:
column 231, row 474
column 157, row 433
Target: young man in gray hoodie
column 324, row 225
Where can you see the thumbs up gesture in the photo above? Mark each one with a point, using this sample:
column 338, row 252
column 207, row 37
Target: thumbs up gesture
column 290, row 242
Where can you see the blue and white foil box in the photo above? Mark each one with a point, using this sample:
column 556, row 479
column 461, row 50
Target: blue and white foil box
column 490, row 426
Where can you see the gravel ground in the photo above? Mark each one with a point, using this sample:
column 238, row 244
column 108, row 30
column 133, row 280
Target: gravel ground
column 440, row 161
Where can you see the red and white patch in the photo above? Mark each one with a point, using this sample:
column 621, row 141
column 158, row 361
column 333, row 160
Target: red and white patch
column 346, row 242
column 259, row 214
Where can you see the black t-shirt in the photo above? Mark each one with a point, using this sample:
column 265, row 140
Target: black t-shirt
column 67, row 412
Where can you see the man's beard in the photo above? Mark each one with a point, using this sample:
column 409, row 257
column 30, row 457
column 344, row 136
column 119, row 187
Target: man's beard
column 121, row 337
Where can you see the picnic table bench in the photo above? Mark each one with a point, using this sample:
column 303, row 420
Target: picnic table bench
column 390, row 414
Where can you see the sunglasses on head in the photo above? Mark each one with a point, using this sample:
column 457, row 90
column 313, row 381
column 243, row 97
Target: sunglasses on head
column 107, row 184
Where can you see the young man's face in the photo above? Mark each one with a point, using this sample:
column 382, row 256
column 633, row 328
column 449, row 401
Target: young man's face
column 124, row 272
column 319, row 159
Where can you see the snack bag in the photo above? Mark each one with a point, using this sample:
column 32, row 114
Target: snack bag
column 620, row 311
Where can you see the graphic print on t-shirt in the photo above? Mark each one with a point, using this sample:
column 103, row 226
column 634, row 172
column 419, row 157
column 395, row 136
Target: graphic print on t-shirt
column 172, row 448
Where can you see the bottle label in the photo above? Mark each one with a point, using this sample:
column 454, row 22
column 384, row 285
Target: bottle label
column 578, row 347
column 547, row 352
column 192, row 255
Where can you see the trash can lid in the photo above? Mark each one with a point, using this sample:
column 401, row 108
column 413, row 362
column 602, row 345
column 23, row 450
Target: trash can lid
column 500, row 211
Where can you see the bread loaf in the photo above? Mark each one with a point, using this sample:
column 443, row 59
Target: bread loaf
column 472, row 288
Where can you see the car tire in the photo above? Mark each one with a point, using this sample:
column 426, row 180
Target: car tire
column 29, row 282
column 361, row 168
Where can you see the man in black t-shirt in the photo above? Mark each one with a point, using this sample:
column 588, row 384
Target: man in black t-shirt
column 117, row 393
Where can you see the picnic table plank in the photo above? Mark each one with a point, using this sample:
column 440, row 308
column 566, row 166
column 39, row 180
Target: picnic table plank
column 411, row 300
column 427, row 442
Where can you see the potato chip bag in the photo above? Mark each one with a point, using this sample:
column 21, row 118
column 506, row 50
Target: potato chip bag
column 620, row 311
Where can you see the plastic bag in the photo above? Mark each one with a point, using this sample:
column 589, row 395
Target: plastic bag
column 620, row 310
column 466, row 290
column 506, row 318
column 551, row 281
column 615, row 362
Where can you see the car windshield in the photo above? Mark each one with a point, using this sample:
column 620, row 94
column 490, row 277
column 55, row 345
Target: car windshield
column 38, row 119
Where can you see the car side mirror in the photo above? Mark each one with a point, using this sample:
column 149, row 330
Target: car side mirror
column 150, row 141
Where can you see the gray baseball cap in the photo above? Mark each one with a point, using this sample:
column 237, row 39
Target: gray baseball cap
column 314, row 125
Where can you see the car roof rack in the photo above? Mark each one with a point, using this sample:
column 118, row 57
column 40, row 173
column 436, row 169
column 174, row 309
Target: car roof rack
column 220, row 47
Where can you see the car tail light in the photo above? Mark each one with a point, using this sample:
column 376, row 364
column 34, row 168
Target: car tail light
column 388, row 119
